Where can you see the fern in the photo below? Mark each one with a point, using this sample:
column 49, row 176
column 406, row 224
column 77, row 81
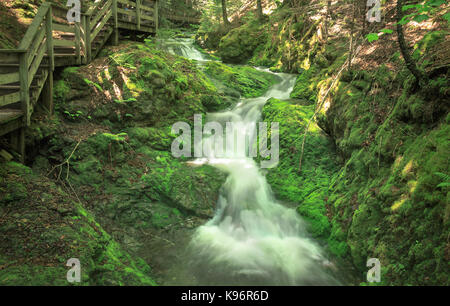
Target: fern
column 118, row 138
column 445, row 179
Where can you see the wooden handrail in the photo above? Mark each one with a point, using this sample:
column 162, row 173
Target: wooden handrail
column 38, row 45
column 32, row 29
column 38, row 40
column 92, row 9
column 13, row 50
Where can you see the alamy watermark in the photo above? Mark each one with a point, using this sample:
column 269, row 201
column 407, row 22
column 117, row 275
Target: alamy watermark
column 239, row 140
column 74, row 273
column 374, row 274
column 74, row 13
column 374, row 13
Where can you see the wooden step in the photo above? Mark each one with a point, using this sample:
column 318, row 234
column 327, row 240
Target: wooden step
column 17, row 65
column 7, row 115
column 14, row 87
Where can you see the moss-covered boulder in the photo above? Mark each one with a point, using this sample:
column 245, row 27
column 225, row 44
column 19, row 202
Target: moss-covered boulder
column 309, row 188
column 239, row 44
column 248, row 81
column 43, row 227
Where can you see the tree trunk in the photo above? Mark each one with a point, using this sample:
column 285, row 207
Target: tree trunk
column 352, row 33
column 259, row 9
column 404, row 48
column 224, row 13
column 327, row 15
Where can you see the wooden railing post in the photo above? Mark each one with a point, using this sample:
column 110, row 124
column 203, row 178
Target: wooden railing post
column 88, row 38
column 84, row 28
column 138, row 14
column 24, row 87
column 78, row 43
column 156, row 15
column 116, row 24
column 49, row 34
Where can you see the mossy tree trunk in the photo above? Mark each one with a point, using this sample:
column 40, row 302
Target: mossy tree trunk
column 259, row 10
column 225, row 13
column 352, row 34
column 410, row 64
column 327, row 16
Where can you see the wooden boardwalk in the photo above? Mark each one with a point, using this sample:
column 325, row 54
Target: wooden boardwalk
column 26, row 73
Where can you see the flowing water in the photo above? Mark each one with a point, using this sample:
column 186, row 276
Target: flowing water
column 252, row 239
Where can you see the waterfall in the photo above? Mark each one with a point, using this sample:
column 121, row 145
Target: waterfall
column 252, row 239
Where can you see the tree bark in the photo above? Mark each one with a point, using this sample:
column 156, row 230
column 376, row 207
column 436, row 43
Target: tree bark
column 259, row 9
column 404, row 48
column 352, row 33
column 224, row 13
column 327, row 16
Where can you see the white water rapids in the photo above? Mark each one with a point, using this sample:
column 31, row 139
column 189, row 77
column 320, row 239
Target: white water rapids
column 252, row 239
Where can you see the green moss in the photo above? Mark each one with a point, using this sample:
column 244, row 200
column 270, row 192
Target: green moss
column 37, row 240
column 240, row 43
column 248, row 81
column 308, row 189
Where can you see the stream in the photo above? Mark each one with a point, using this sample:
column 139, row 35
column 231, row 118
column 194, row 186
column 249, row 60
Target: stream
column 252, row 239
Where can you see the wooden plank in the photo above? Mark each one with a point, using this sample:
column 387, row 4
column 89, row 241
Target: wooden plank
column 31, row 32
column 9, row 58
column 63, row 28
column 156, row 15
column 9, row 78
column 131, row 13
column 100, row 14
column 94, row 7
column 36, row 43
column 10, row 98
column 102, row 43
column 63, row 43
column 127, row 2
column 47, row 93
column 146, row 17
column 138, row 14
column 85, row 36
column 35, row 65
column 16, row 51
column 49, row 40
column 127, row 26
column 88, row 40
column 21, row 147
column 116, row 24
column 10, row 123
column 24, row 88
column 147, row 8
column 132, row 26
column 100, row 25
column 36, row 90
column 78, row 43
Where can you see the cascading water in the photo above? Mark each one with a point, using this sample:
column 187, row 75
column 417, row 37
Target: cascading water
column 252, row 239
column 182, row 47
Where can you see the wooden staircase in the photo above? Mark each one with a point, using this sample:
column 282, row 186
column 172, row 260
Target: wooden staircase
column 26, row 73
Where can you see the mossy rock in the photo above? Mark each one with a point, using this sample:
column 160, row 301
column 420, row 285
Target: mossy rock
column 239, row 44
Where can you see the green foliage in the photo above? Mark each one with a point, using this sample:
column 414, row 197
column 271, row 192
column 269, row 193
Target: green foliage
column 89, row 82
column 420, row 12
column 445, row 179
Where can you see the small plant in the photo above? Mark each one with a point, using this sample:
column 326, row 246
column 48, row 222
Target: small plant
column 125, row 101
column 89, row 82
column 73, row 116
column 445, row 180
column 122, row 137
